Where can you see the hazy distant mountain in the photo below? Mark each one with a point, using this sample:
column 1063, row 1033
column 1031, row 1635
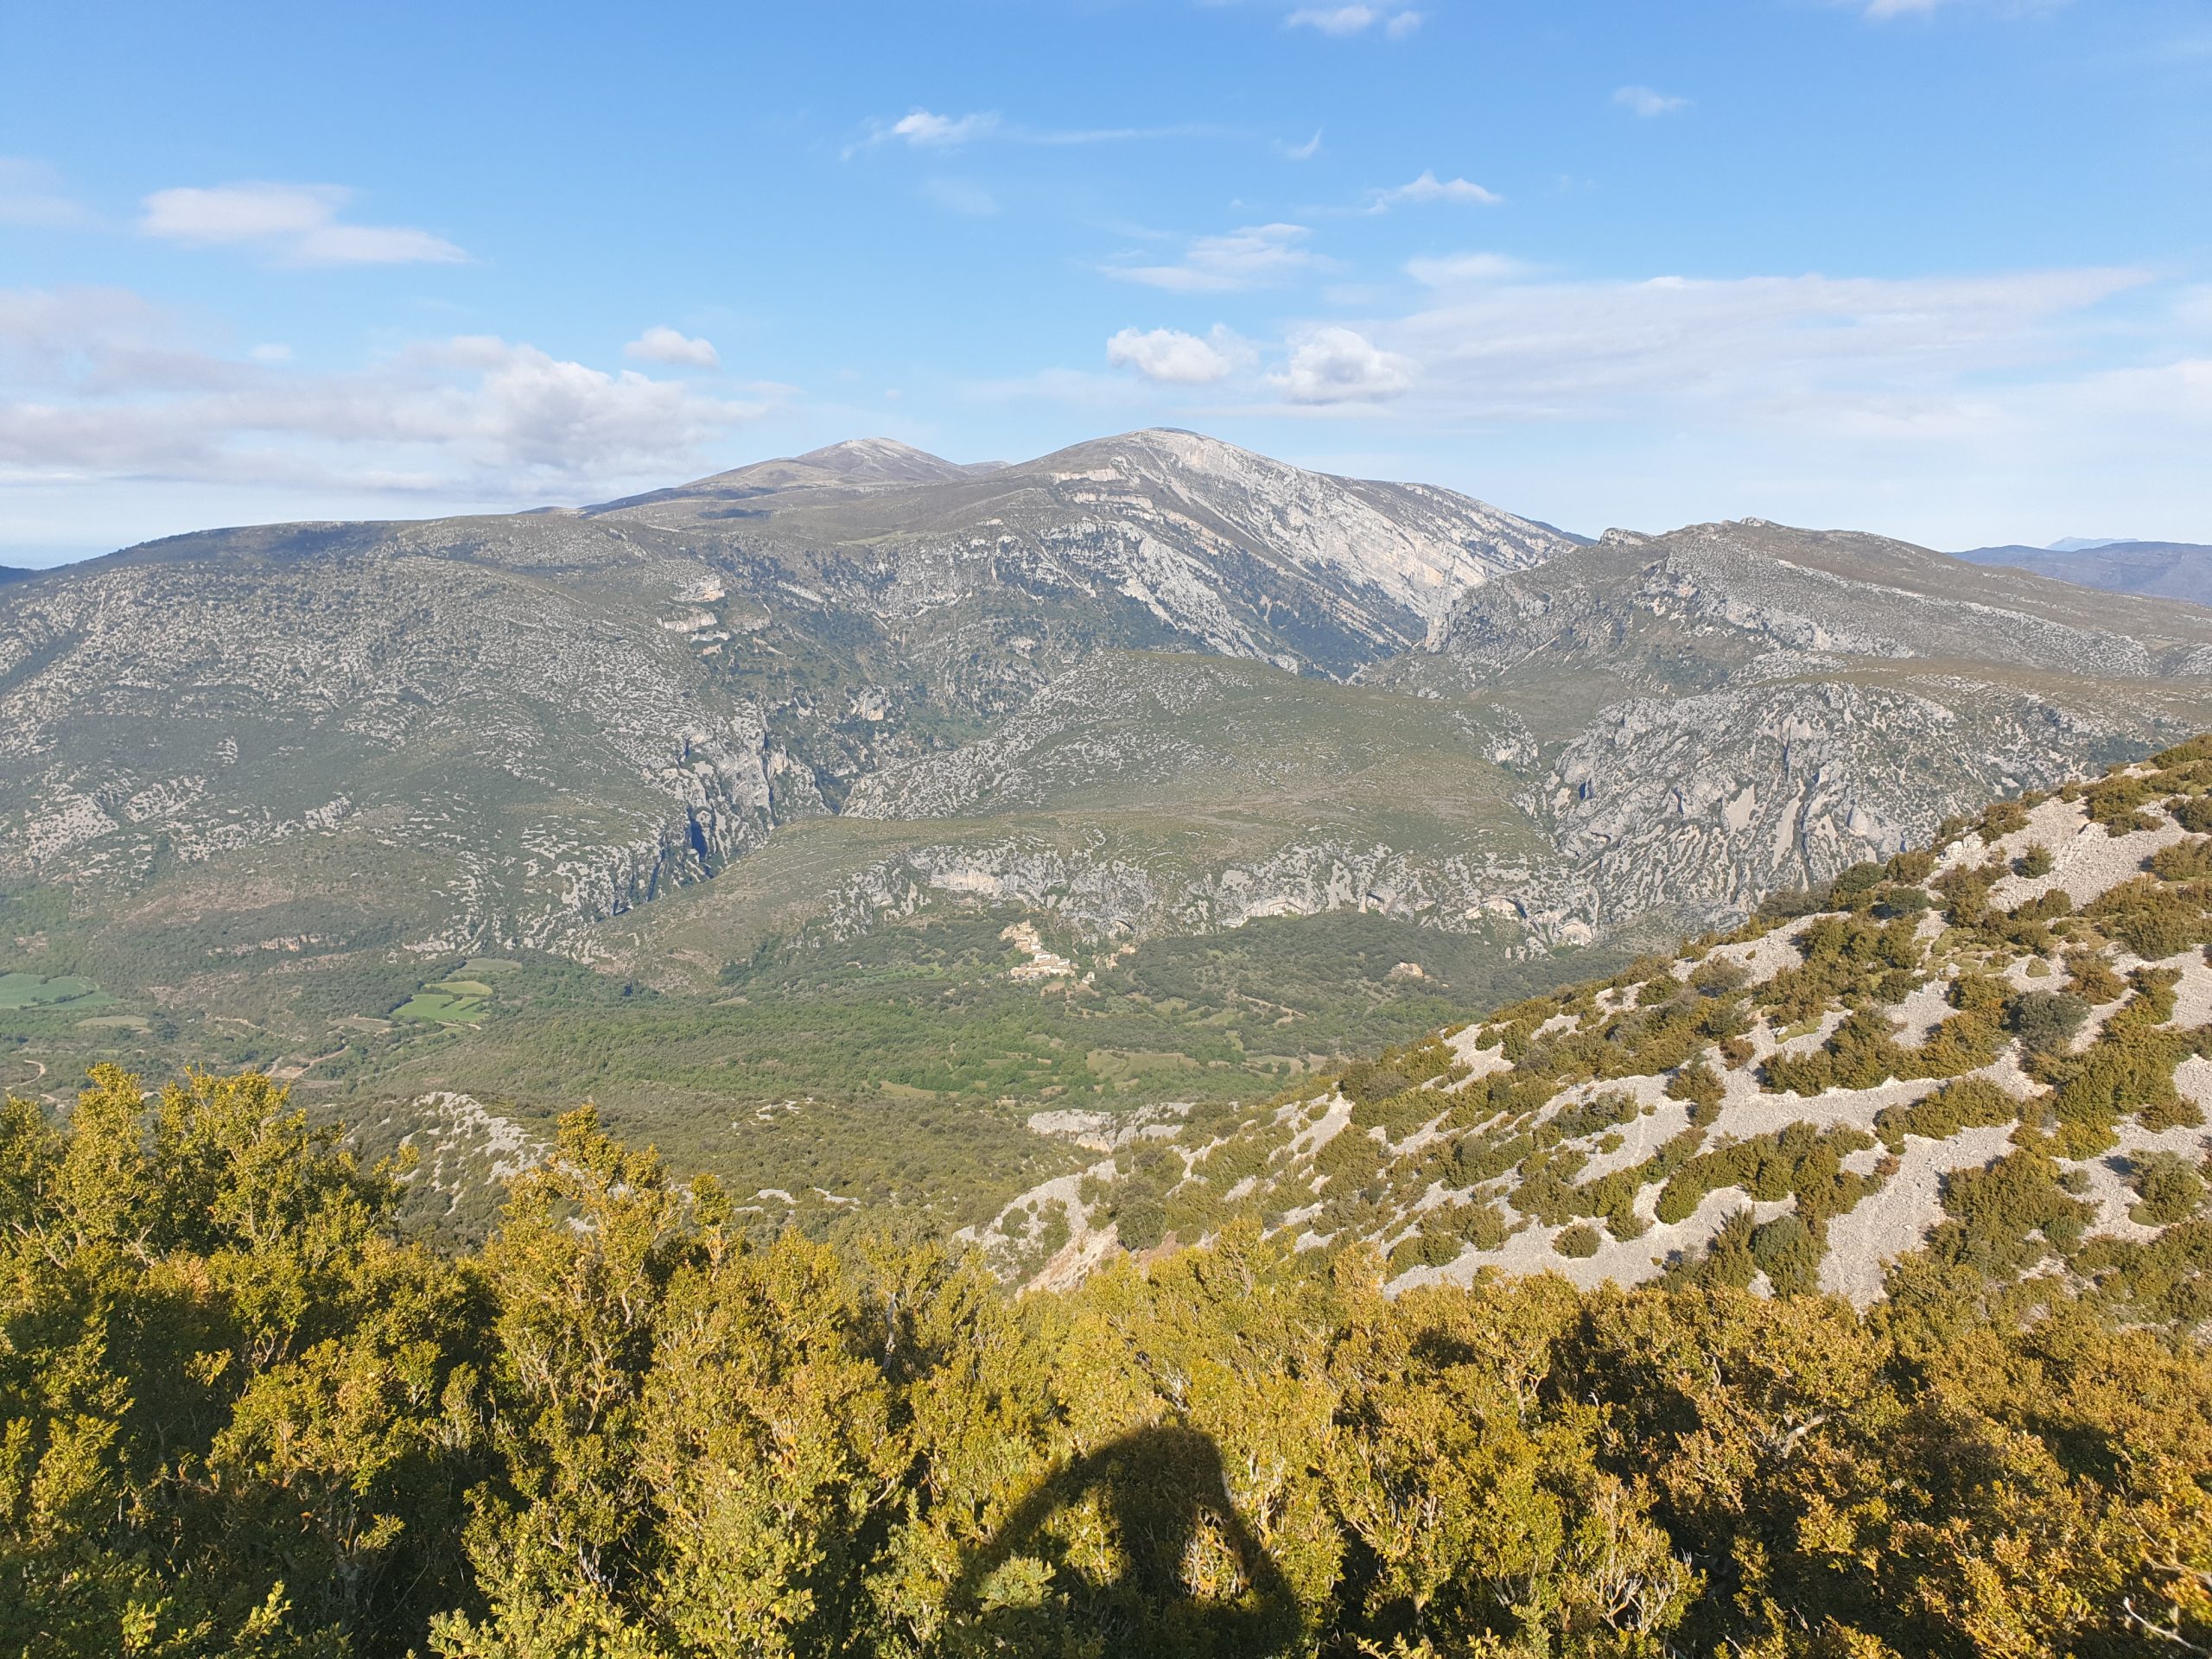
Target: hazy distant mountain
column 2163, row 569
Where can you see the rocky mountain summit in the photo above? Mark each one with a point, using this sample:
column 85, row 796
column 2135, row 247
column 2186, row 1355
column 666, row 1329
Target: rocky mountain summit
column 1999, row 1051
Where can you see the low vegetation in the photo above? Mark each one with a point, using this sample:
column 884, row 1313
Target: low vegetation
column 240, row 1413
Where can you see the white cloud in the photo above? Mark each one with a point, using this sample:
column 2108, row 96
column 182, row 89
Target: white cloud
column 97, row 384
column 1172, row 358
column 1341, row 366
column 1305, row 152
column 1647, row 103
column 31, row 194
column 295, row 224
column 937, row 131
column 926, row 130
column 1429, row 188
column 1254, row 257
column 1448, row 271
column 1353, row 20
column 661, row 344
column 1333, row 20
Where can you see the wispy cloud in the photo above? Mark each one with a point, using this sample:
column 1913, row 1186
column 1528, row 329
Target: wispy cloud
column 661, row 344
column 1396, row 23
column 1256, row 255
column 292, row 223
column 1428, row 187
column 1448, row 271
column 1755, row 347
column 1305, row 152
column 923, row 128
column 1646, row 102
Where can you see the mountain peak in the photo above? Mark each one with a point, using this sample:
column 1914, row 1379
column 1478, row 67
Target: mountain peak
column 881, row 461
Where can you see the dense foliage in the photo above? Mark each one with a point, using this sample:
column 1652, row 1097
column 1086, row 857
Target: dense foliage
column 240, row 1414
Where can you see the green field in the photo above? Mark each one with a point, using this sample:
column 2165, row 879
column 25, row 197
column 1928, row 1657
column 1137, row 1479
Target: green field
column 448, row 1003
column 23, row 990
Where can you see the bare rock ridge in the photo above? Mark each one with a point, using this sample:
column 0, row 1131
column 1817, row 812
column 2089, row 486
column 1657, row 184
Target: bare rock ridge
column 1149, row 685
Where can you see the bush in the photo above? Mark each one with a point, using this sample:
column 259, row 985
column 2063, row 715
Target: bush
column 2170, row 1186
column 1624, row 1221
column 1969, row 1103
column 2186, row 861
column 1365, row 1082
column 2036, row 862
column 1788, row 1254
column 2045, row 1021
column 1577, row 1241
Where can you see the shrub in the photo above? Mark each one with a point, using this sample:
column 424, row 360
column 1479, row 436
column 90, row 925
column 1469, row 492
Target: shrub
column 2194, row 814
column 1365, row 1082
column 1788, row 1254
column 1483, row 1225
column 2045, row 1021
column 1398, row 1116
column 1578, row 1241
column 2003, row 819
column 2153, row 920
column 2186, row 861
column 1969, row 1103
column 2170, row 1187
column 2036, row 862
column 1912, row 865
column 1624, row 1221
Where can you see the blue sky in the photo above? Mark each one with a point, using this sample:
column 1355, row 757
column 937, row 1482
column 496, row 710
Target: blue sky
column 1939, row 268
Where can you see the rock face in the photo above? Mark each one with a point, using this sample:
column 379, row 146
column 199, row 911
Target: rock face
column 1152, row 683
column 1735, row 708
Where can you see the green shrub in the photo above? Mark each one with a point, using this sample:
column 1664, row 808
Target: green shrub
column 1788, row 1254
column 1624, row 1221
column 2045, row 1021
column 2036, row 862
column 1968, row 1104
column 2194, row 814
column 2171, row 1188
column 1483, row 1225
column 2186, row 861
column 1365, row 1082
column 1577, row 1241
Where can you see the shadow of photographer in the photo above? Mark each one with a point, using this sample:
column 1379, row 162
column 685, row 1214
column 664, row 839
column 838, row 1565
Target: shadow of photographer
column 1135, row 1550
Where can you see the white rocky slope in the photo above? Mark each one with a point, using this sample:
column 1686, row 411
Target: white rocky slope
column 1615, row 1132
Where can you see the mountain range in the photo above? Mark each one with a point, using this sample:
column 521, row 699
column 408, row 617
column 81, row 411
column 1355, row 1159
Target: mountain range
column 1151, row 769
column 2161, row 569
